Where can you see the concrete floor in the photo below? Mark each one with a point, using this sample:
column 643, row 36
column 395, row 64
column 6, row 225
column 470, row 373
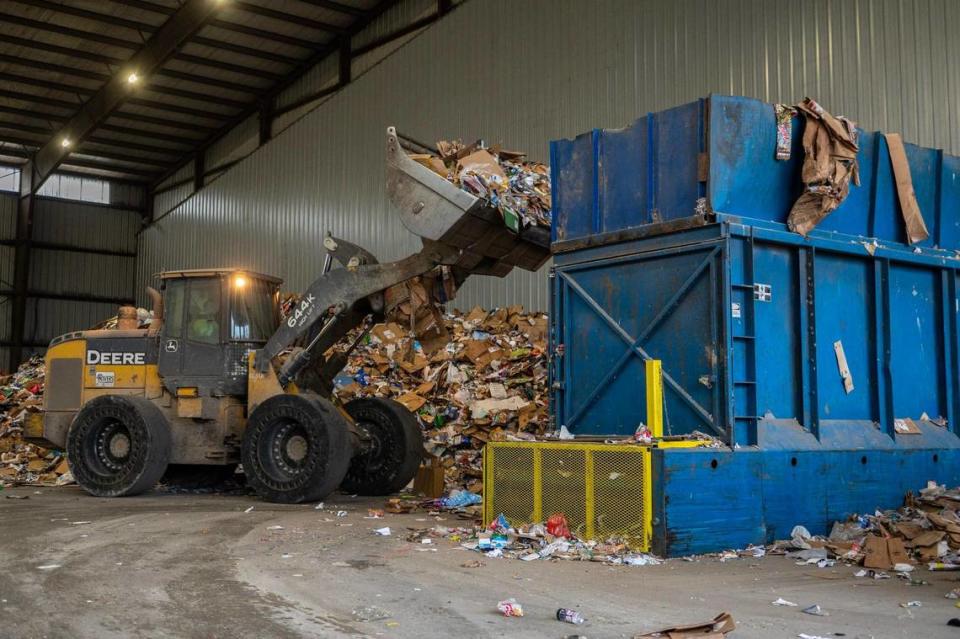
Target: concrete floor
column 165, row 565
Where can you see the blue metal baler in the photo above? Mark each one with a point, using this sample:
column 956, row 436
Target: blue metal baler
column 671, row 244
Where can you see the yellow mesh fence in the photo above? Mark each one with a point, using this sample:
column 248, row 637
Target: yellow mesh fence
column 603, row 490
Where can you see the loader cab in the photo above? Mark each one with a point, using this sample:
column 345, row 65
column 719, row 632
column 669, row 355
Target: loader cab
column 212, row 319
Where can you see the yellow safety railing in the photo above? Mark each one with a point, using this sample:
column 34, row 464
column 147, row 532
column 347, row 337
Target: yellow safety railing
column 654, row 373
column 604, row 490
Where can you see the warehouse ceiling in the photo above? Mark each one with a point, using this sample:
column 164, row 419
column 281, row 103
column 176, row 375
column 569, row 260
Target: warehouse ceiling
column 58, row 56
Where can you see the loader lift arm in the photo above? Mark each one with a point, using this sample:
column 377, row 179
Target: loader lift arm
column 457, row 229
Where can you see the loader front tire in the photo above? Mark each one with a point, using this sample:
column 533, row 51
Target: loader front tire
column 118, row 446
column 296, row 449
column 393, row 451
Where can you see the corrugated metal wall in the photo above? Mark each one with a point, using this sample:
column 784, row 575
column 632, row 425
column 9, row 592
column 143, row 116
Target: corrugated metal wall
column 549, row 69
column 8, row 231
column 69, row 272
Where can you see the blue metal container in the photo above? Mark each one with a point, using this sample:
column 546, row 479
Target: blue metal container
column 748, row 320
column 716, row 156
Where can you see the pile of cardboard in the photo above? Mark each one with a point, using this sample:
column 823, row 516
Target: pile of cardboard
column 925, row 529
column 20, row 462
column 478, row 377
column 519, row 189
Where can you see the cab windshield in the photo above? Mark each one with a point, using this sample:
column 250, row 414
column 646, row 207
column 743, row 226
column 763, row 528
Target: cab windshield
column 252, row 310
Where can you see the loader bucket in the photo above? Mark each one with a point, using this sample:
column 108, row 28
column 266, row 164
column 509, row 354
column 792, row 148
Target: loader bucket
column 437, row 210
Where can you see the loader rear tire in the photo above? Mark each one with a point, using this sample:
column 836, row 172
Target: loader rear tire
column 118, row 446
column 296, row 449
column 393, row 454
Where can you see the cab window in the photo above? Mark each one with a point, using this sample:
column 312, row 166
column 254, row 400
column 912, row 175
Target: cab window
column 173, row 305
column 252, row 315
column 203, row 311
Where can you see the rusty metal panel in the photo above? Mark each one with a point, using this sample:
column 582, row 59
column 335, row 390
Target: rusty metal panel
column 554, row 69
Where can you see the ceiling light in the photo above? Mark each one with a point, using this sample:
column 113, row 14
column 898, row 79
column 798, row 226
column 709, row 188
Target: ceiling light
column 65, row 143
column 133, row 78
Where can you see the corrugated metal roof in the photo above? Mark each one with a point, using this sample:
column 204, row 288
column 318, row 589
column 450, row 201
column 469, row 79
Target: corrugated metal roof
column 56, row 54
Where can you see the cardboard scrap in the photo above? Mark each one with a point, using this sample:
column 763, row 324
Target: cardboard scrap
column 842, row 367
column 717, row 628
column 926, row 528
column 909, row 208
column 829, row 165
column 905, row 426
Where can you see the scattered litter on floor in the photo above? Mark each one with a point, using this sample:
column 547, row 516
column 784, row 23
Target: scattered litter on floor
column 510, row 608
column 383, row 532
column 816, row 610
column 783, row 602
column 370, row 613
column 568, row 615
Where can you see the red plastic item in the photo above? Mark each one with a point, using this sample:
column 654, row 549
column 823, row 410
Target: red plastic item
column 557, row 525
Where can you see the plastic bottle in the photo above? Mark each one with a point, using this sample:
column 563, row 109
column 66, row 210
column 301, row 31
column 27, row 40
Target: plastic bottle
column 570, row 616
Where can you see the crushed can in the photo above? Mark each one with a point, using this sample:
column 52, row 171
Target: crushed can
column 570, row 616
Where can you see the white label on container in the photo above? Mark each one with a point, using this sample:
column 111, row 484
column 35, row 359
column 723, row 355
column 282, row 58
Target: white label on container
column 735, row 310
column 105, row 379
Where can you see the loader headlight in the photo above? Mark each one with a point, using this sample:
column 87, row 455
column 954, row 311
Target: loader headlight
column 239, row 281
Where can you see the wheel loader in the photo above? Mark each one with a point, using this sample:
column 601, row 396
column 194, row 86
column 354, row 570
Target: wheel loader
column 217, row 379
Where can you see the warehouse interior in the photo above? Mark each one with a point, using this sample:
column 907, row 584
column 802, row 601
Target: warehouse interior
column 662, row 403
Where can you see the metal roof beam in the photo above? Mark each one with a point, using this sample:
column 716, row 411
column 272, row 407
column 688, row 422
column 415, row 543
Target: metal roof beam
column 153, row 104
column 290, row 18
column 136, row 117
column 155, row 88
column 188, row 19
column 94, row 139
column 143, row 27
column 119, row 157
column 266, row 35
column 207, row 81
column 133, row 46
column 146, row 133
column 89, row 162
column 113, row 63
column 356, row 12
column 54, row 68
column 220, row 23
column 149, row 28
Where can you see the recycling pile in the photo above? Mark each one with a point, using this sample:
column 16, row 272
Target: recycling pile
column 925, row 529
column 20, row 462
column 482, row 378
column 519, row 189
